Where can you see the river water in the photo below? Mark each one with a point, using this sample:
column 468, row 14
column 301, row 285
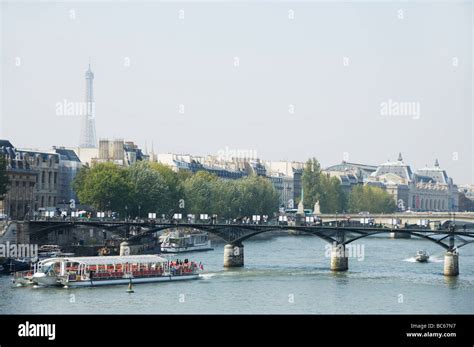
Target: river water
column 283, row 274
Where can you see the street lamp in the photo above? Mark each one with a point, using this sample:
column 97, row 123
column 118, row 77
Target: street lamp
column 139, row 208
column 126, row 212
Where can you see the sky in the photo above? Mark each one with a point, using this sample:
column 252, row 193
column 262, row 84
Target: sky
column 360, row 81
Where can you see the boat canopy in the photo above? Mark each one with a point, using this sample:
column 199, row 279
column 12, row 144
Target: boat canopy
column 118, row 259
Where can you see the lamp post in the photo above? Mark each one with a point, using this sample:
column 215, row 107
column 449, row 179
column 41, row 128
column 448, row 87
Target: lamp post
column 139, row 208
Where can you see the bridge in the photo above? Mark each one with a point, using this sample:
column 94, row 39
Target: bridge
column 338, row 234
column 435, row 218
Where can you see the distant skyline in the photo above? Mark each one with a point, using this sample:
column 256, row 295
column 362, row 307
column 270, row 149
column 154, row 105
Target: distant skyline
column 355, row 81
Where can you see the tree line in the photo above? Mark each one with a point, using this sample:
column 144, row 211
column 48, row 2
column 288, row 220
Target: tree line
column 153, row 187
column 319, row 186
column 146, row 187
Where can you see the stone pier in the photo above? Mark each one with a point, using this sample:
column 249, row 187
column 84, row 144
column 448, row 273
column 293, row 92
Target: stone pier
column 451, row 263
column 399, row 235
column 339, row 259
column 124, row 248
column 233, row 255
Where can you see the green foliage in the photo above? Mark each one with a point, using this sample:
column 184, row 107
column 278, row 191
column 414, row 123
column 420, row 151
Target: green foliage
column 149, row 190
column 156, row 188
column 320, row 187
column 105, row 186
column 204, row 192
column 3, row 177
column 201, row 193
column 371, row 199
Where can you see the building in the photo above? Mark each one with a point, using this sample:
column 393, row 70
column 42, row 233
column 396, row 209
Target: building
column 434, row 190
column 86, row 155
column 427, row 189
column 118, row 152
column 46, row 165
column 69, row 166
column 194, row 164
column 347, row 179
column 19, row 199
column 349, row 174
column 466, row 197
column 286, row 178
column 88, row 136
column 34, row 180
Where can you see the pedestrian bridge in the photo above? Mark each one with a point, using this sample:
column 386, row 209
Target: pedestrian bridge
column 339, row 235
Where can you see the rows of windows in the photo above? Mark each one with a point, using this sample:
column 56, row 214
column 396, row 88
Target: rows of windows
column 429, row 204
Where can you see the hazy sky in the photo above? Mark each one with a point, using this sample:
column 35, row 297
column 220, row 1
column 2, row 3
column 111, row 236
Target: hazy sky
column 311, row 77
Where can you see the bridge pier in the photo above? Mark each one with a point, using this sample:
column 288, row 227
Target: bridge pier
column 124, row 248
column 451, row 263
column 233, row 255
column 399, row 235
column 339, row 259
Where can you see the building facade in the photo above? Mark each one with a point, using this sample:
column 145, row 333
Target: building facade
column 286, row 178
column 19, row 199
column 427, row 189
column 34, row 180
column 119, row 152
column 69, row 166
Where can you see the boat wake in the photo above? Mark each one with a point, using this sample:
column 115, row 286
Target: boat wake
column 410, row 260
column 207, row 276
column 432, row 259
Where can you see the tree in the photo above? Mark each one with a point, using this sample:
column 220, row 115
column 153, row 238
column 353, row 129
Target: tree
column 311, row 181
column 318, row 186
column 206, row 193
column 3, row 177
column 149, row 190
column 174, row 200
column 333, row 199
column 258, row 196
column 105, row 186
column 372, row 199
column 200, row 193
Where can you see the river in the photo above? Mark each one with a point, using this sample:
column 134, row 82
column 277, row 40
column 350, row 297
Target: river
column 283, row 274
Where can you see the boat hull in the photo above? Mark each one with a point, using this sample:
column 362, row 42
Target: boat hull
column 128, row 280
column 25, row 281
column 196, row 248
column 422, row 259
column 42, row 279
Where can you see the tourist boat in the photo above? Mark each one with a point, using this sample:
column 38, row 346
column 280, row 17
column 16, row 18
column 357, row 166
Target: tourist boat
column 422, row 256
column 179, row 241
column 96, row 271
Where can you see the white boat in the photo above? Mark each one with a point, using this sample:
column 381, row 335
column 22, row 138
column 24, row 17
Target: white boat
column 48, row 251
column 99, row 271
column 179, row 241
column 45, row 272
column 422, row 256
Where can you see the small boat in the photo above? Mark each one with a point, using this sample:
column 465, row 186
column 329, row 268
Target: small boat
column 48, row 251
column 422, row 256
column 179, row 241
column 41, row 273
